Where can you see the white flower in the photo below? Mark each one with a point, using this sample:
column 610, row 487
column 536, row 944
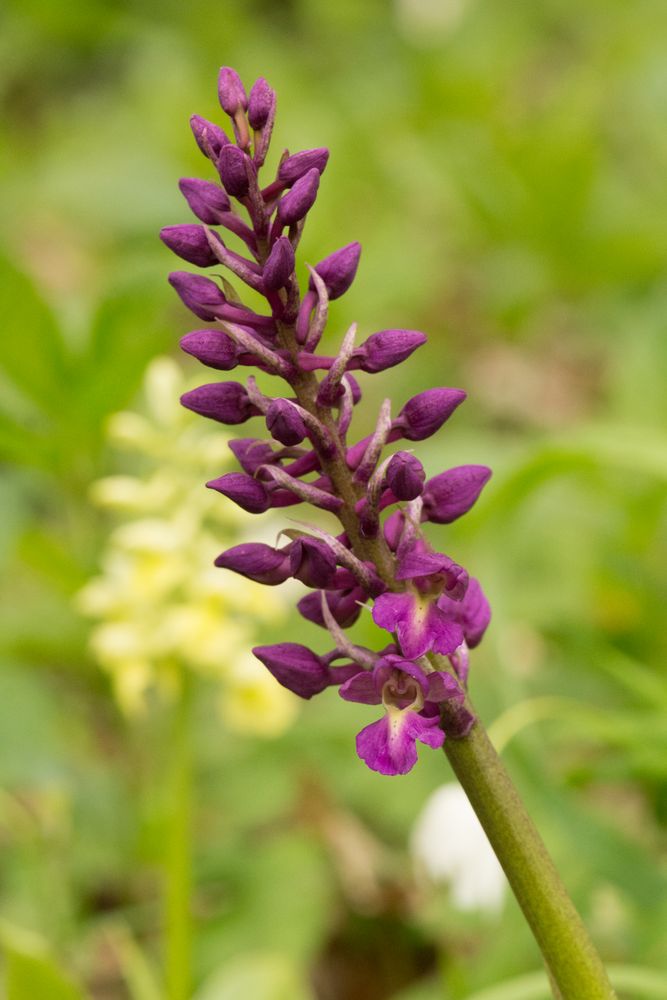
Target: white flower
column 449, row 845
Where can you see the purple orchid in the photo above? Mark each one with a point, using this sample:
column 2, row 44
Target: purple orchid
column 411, row 699
column 377, row 557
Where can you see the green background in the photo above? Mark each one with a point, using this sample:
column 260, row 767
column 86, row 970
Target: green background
column 504, row 167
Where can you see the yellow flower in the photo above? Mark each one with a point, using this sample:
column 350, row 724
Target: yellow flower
column 159, row 601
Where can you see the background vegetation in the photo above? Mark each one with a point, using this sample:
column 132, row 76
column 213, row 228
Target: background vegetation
column 503, row 166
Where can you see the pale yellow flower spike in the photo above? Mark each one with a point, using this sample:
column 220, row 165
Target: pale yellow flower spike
column 158, row 599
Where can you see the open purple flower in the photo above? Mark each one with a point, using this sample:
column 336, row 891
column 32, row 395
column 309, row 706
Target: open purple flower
column 411, row 700
column 422, row 615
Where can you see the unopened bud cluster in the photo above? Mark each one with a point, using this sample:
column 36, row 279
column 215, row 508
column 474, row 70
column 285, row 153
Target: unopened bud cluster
column 377, row 556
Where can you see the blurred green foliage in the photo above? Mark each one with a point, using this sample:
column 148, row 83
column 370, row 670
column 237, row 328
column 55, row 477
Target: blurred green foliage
column 503, row 167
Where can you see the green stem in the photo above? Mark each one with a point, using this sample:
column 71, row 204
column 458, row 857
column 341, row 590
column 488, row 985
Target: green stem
column 574, row 966
column 178, row 851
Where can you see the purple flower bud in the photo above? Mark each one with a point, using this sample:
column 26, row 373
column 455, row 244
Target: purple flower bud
column 354, row 386
column 405, row 476
column 473, row 612
column 453, row 492
column 337, row 271
column 207, row 200
column 392, row 529
column 261, row 104
column 295, row 166
column 344, row 605
column 312, row 562
column 245, row 491
column 212, row 347
column 209, row 137
column 190, row 243
column 424, row 414
column 231, row 91
column 284, row 422
column 279, row 265
column 258, row 562
column 201, row 295
column 385, row 349
column 226, row 402
column 251, row 453
column 295, row 667
column 297, row 202
column 234, row 166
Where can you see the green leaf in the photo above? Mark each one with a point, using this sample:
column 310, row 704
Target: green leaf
column 30, row 971
column 33, row 356
column 632, row 982
column 262, row 976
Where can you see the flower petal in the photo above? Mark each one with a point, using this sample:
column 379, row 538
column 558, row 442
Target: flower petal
column 388, row 745
column 361, row 688
column 419, row 624
column 442, row 686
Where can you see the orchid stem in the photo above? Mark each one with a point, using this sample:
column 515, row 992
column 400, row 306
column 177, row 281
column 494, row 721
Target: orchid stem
column 574, row 966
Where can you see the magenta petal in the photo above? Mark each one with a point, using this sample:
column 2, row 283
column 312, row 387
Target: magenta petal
column 419, row 625
column 426, row 730
column 388, row 745
column 473, row 612
column 390, row 663
column 446, row 635
column 361, row 688
column 390, row 608
column 442, row 686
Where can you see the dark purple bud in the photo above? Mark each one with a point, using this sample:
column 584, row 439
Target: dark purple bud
column 385, row 349
column 250, row 453
column 284, row 422
column 257, row 562
column 190, row 243
column 354, row 387
column 201, row 295
column 207, row 200
column 244, row 490
column 297, row 202
column 337, row 271
column 424, row 414
column 209, row 137
column 295, row 667
column 279, row 266
column 393, row 529
column 312, row 562
column 405, row 476
column 453, row 492
column 226, row 402
column 294, row 167
column 231, row 91
column 344, row 605
column 261, row 104
column 212, row 347
column 234, row 166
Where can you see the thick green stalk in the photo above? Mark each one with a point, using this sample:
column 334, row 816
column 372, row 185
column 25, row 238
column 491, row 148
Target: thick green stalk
column 178, row 851
column 574, row 965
